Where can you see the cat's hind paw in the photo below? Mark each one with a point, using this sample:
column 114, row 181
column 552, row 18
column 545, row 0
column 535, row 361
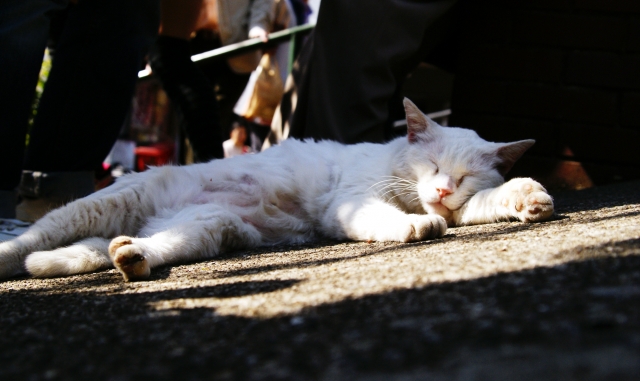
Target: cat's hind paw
column 129, row 259
column 528, row 200
column 425, row 226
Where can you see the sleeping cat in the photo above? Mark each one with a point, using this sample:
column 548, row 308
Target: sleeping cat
column 406, row 190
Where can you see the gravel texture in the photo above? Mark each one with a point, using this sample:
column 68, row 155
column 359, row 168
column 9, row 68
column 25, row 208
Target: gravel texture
column 558, row 300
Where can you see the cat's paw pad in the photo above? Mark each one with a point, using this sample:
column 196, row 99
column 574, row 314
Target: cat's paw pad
column 425, row 227
column 129, row 259
column 528, row 200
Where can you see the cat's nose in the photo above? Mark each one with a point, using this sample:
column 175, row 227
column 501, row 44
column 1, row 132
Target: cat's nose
column 443, row 192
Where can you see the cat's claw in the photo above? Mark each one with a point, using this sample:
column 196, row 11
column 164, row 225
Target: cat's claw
column 528, row 200
column 425, row 227
column 129, row 259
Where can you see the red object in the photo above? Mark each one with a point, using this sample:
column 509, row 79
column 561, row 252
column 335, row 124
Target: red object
column 154, row 155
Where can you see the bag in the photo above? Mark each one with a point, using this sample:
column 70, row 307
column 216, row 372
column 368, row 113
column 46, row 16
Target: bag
column 262, row 94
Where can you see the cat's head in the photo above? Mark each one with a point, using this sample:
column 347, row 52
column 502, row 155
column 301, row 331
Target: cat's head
column 450, row 164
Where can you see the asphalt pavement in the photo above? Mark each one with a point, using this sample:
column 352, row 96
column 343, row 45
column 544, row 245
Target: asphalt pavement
column 558, row 300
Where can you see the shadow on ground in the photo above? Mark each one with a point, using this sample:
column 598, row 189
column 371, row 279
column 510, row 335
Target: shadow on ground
column 577, row 321
column 597, row 197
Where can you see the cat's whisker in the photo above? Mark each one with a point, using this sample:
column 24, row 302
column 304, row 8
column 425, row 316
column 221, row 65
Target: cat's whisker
column 382, row 192
column 407, row 186
column 417, row 198
column 396, row 178
column 400, row 194
column 396, row 185
column 401, row 180
column 387, row 182
column 382, row 184
column 406, row 191
column 386, row 193
column 393, row 184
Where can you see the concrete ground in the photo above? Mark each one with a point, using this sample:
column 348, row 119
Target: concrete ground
column 558, row 300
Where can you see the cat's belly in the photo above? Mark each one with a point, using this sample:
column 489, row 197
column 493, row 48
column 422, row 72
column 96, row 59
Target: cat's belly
column 278, row 216
column 227, row 198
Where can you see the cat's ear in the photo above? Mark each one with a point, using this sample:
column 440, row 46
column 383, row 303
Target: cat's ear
column 418, row 124
column 509, row 153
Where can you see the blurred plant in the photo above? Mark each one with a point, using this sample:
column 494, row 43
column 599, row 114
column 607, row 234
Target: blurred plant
column 42, row 79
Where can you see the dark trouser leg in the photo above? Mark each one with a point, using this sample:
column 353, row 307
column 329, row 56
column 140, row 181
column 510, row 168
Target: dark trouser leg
column 91, row 83
column 353, row 63
column 24, row 27
column 86, row 98
column 192, row 92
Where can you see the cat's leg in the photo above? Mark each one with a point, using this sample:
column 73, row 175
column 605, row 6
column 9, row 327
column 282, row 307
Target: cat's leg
column 85, row 256
column 103, row 214
column 520, row 198
column 196, row 232
column 120, row 209
column 375, row 220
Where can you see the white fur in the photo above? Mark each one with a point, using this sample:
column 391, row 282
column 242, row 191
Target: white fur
column 84, row 256
column 406, row 190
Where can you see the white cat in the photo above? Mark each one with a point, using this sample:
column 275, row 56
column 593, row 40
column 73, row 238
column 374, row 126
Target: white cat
column 406, row 190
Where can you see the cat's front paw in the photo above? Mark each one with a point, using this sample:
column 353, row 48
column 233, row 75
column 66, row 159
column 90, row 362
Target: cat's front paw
column 527, row 200
column 129, row 259
column 425, row 226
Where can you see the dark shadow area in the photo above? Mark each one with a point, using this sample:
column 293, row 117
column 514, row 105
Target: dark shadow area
column 230, row 290
column 101, row 278
column 606, row 196
column 547, row 320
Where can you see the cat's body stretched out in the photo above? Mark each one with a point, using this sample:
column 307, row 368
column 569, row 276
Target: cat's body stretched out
column 409, row 189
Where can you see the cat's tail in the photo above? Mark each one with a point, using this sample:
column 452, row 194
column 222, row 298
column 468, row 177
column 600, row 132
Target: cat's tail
column 120, row 210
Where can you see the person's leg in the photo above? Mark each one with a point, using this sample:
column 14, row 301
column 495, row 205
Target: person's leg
column 91, row 83
column 190, row 90
column 87, row 95
column 230, row 86
column 184, row 82
column 359, row 52
column 24, row 27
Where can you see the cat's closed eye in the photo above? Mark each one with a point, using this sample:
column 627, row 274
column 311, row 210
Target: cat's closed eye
column 436, row 170
column 459, row 181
